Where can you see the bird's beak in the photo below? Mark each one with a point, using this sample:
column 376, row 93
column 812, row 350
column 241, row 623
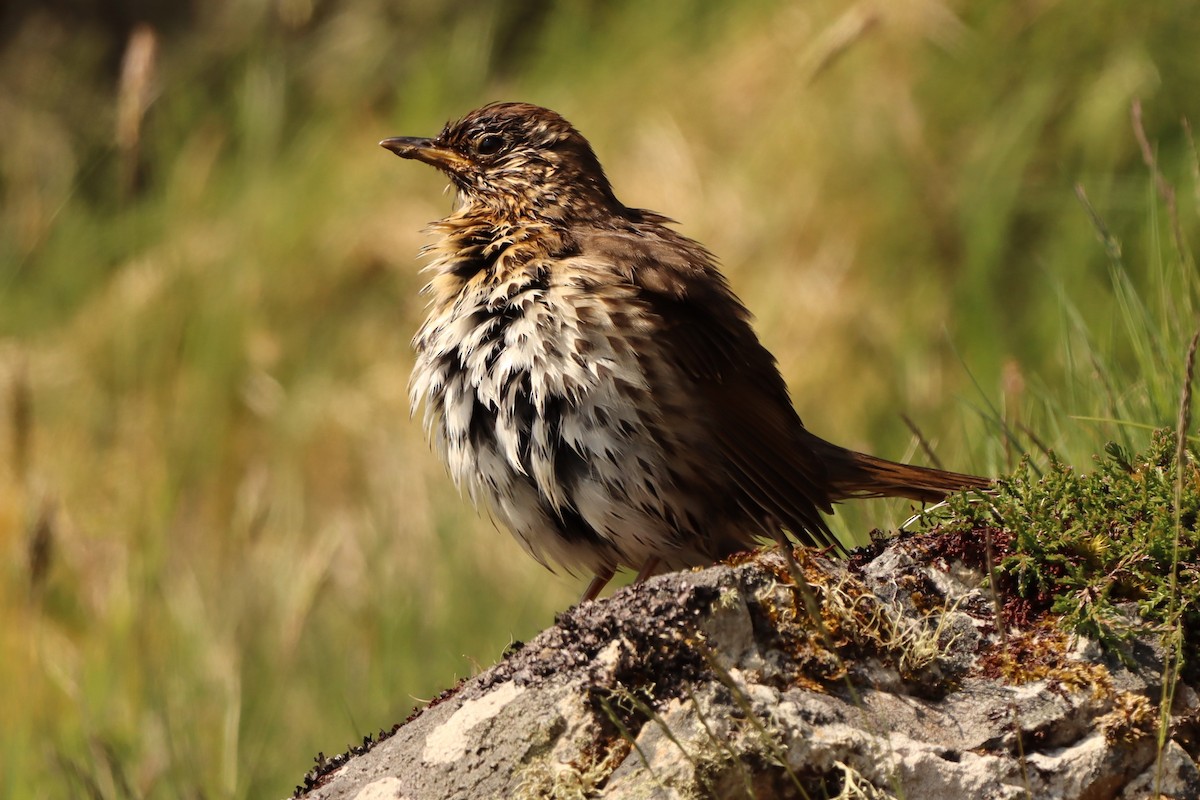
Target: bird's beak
column 427, row 150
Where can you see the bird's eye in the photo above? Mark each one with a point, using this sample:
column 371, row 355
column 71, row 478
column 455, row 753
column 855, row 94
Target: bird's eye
column 489, row 145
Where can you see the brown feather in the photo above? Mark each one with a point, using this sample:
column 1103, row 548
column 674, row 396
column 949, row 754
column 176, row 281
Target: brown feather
column 589, row 376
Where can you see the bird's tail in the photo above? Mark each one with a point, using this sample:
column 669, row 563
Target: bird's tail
column 854, row 474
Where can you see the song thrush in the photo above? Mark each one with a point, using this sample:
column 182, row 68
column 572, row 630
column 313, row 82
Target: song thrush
column 588, row 375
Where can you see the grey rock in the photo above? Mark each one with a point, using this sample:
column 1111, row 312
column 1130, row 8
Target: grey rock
column 716, row 683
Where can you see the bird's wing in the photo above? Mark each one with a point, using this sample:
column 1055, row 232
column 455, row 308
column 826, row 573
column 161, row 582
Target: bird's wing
column 745, row 415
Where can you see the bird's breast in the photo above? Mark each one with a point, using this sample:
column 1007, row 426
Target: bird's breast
column 537, row 376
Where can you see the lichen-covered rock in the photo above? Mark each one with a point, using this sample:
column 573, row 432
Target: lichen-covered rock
column 721, row 683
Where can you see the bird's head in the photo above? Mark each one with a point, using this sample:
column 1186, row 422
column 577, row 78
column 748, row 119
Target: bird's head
column 518, row 161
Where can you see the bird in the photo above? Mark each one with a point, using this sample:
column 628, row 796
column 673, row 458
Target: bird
column 589, row 377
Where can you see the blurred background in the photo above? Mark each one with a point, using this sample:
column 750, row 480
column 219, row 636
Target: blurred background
column 224, row 544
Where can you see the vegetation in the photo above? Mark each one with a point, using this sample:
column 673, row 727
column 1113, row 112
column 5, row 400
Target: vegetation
column 1105, row 550
column 224, row 546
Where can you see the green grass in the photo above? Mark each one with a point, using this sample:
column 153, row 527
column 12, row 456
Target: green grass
column 251, row 555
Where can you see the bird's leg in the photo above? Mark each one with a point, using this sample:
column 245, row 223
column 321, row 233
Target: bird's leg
column 648, row 569
column 597, row 585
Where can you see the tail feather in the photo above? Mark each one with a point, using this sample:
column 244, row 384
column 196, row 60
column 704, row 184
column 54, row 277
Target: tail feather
column 854, row 474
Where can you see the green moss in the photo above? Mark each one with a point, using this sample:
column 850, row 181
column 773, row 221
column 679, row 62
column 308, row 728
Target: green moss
column 1095, row 546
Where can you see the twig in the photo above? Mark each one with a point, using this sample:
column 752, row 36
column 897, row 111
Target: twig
column 1165, row 190
column 1002, row 629
column 1173, row 656
column 922, row 441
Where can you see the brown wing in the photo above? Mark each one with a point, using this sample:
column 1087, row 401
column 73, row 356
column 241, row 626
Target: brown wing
column 729, row 379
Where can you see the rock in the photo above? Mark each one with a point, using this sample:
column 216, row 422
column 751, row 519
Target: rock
column 717, row 683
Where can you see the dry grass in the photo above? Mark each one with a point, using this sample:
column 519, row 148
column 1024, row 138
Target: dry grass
column 225, row 544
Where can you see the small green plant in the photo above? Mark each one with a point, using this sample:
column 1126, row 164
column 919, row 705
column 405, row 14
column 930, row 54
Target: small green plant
column 1096, row 548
